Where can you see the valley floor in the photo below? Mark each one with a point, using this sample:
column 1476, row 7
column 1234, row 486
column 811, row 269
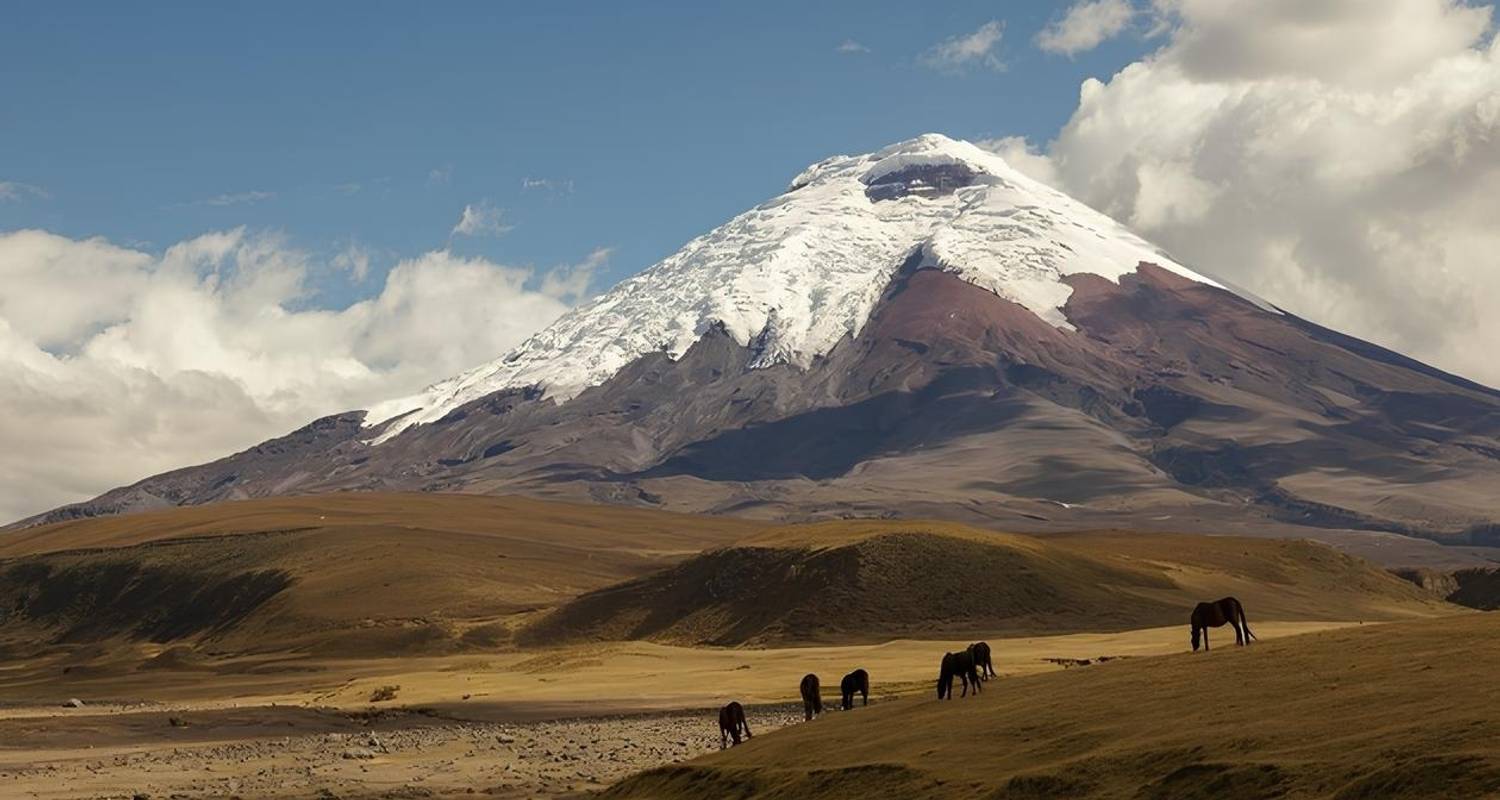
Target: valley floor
column 549, row 723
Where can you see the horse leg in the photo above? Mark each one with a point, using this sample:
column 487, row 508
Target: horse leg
column 723, row 738
column 1205, row 639
column 965, row 679
column 746, row 725
column 864, row 695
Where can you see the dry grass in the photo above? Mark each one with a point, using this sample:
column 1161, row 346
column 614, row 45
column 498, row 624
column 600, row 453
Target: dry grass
column 1390, row 711
column 868, row 581
column 355, row 574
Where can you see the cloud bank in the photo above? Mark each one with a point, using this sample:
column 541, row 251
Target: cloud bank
column 1340, row 159
column 179, row 358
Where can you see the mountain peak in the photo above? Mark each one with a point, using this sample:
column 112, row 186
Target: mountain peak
column 804, row 270
column 921, row 330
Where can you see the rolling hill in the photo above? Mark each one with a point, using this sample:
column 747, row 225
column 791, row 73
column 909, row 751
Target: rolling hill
column 376, row 575
column 350, row 574
column 867, row 581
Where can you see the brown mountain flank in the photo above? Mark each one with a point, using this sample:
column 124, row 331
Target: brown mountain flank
column 1169, row 405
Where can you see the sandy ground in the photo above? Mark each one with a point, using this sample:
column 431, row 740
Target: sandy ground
column 553, row 723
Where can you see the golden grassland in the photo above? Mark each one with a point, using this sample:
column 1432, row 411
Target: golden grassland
column 1400, row 710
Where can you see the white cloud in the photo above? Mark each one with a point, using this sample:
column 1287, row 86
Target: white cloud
column 572, row 283
column 209, row 348
column 1020, row 154
column 1355, row 42
column 850, row 47
column 553, row 186
column 958, row 53
column 15, row 190
column 1341, row 159
column 481, row 219
column 440, row 176
column 1085, row 26
column 237, row 198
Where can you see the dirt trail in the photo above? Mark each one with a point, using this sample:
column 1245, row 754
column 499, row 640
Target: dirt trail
column 407, row 756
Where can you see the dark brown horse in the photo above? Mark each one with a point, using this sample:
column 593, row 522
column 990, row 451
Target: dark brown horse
column 812, row 696
column 856, row 681
column 731, row 722
column 980, row 652
column 1216, row 614
column 960, row 665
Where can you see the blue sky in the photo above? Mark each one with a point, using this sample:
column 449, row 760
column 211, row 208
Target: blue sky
column 340, row 122
column 1312, row 159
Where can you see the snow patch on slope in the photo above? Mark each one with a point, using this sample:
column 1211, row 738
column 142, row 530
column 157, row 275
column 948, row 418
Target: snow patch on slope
column 802, row 271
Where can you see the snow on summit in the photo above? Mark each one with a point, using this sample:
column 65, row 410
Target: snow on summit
column 803, row 270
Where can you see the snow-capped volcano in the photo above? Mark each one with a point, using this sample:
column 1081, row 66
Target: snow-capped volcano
column 921, row 331
column 799, row 273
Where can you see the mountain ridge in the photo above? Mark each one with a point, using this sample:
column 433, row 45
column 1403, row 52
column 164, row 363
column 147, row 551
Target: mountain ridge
column 1150, row 396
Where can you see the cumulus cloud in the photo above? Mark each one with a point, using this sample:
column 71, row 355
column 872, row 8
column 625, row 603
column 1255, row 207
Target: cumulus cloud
column 209, row 347
column 481, row 219
column 15, row 190
column 1341, row 159
column 850, row 47
column 1085, row 26
column 959, row 53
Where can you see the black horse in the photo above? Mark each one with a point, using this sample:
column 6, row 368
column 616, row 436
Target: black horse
column 731, row 722
column 812, row 696
column 980, row 652
column 1216, row 614
column 960, row 665
column 856, row 681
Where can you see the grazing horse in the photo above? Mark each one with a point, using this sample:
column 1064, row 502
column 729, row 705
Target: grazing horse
column 856, row 681
column 980, row 651
column 812, row 696
column 1216, row 614
column 962, row 666
column 731, row 722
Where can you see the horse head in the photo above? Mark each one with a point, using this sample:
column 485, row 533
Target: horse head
column 945, row 676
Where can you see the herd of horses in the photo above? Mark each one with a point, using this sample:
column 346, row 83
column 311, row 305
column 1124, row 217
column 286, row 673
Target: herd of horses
column 973, row 666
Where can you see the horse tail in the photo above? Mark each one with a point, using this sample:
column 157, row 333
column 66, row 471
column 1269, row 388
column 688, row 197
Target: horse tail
column 1244, row 623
